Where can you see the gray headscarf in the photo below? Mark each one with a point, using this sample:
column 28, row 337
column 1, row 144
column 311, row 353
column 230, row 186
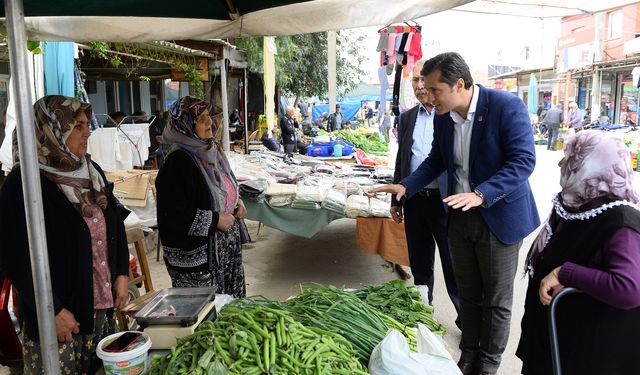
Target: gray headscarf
column 180, row 134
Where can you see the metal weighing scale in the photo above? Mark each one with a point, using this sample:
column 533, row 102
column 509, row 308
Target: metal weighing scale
column 175, row 312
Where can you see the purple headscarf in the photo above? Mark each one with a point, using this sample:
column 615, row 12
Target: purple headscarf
column 595, row 166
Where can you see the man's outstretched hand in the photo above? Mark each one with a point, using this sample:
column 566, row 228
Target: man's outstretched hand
column 397, row 189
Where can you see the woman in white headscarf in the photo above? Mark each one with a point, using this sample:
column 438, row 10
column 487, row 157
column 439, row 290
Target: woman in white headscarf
column 574, row 120
column 591, row 242
column 86, row 240
column 199, row 209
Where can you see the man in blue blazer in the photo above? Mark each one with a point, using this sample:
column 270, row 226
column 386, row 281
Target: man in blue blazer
column 424, row 215
column 483, row 139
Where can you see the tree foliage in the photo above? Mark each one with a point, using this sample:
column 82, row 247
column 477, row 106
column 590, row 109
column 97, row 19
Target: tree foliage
column 301, row 62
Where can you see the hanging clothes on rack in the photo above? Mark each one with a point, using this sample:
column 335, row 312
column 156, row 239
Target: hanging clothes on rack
column 399, row 47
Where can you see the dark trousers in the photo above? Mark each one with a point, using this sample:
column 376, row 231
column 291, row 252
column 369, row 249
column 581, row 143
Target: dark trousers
column 289, row 148
column 484, row 269
column 424, row 221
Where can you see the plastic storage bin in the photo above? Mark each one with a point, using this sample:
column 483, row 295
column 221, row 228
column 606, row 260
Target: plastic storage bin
column 347, row 147
column 320, row 149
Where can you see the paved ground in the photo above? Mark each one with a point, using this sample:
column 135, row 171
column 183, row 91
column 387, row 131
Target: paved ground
column 277, row 262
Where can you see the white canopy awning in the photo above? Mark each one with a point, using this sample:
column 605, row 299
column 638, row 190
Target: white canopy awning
column 295, row 18
column 542, row 8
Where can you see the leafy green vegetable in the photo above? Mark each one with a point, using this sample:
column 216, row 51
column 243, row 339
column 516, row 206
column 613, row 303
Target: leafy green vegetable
column 367, row 142
column 402, row 303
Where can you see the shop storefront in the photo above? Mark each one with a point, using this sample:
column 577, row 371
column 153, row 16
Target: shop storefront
column 628, row 103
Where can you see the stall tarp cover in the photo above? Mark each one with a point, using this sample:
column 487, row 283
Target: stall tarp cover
column 148, row 20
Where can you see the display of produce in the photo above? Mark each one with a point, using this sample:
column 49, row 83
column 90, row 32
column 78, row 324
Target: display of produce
column 252, row 338
column 323, row 330
column 340, row 311
column 367, row 140
column 402, row 302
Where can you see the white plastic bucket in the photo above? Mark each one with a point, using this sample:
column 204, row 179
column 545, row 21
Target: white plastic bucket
column 130, row 362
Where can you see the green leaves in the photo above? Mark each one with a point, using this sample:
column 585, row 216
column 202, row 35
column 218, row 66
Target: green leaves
column 301, row 62
column 192, row 75
column 35, row 47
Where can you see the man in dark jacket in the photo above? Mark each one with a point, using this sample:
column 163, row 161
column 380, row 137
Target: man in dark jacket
column 288, row 131
column 334, row 122
column 552, row 121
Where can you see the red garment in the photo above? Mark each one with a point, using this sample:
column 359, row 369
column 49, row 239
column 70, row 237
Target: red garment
column 102, row 288
column 231, row 195
column 416, row 46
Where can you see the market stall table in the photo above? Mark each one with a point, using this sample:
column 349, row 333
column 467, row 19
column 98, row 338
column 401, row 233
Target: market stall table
column 379, row 235
column 296, row 221
column 374, row 235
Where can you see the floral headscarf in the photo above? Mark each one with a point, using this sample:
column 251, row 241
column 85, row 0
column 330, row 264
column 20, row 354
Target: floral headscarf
column 76, row 176
column 180, row 133
column 595, row 167
column 594, row 173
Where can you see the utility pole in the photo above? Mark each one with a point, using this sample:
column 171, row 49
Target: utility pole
column 596, row 79
column 331, row 64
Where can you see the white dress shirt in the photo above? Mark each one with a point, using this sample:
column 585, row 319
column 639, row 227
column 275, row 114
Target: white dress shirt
column 422, row 139
column 462, row 143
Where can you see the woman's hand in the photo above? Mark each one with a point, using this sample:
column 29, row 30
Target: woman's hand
column 240, row 211
column 66, row 325
column 120, row 291
column 550, row 283
column 225, row 221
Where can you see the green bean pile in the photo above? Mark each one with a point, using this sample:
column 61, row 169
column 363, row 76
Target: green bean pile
column 256, row 337
column 401, row 302
column 336, row 310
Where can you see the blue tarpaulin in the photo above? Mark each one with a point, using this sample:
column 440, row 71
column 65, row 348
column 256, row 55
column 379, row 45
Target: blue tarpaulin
column 349, row 110
column 351, row 103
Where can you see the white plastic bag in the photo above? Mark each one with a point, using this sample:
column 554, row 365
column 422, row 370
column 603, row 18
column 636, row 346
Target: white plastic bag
column 424, row 294
column 392, row 356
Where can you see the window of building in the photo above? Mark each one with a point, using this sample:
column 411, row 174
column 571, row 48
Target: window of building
column 615, row 24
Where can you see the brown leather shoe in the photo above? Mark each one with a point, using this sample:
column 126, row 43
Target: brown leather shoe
column 467, row 368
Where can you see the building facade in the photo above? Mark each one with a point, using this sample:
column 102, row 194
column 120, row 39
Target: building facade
column 596, row 57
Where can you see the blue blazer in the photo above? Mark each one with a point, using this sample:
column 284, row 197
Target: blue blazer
column 501, row 159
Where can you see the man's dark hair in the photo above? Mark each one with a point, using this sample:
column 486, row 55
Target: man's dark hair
column 451, row 66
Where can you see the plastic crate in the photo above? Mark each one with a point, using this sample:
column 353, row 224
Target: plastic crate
column 320, row 149
column 347, row 147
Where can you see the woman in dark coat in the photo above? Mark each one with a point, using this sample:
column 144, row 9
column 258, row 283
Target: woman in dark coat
column 198, row 204
column 590, row 242
column 86, row 241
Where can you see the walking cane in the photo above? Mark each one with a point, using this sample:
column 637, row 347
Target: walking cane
column 553, row 331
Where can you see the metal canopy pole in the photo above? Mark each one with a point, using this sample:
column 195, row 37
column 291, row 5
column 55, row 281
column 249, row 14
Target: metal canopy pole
column 246, row 123
column 225, row 101
column 21, row 78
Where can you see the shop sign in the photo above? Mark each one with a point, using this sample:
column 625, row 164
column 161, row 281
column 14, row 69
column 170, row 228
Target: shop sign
column 632, row 46
column 575, row 57
column 498, row 85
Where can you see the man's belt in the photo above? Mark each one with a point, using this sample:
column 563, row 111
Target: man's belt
column 429, row 193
